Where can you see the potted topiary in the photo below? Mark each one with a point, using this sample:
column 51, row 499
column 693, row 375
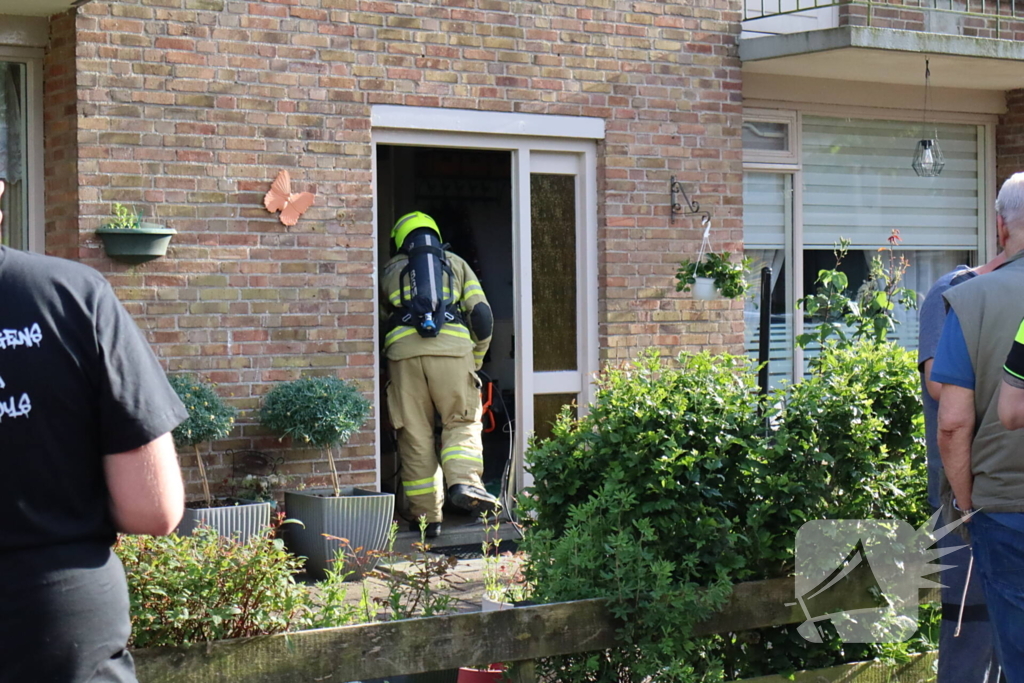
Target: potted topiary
column 713, row 275
column 210, row 418
column 325, row 412
column 128, row 238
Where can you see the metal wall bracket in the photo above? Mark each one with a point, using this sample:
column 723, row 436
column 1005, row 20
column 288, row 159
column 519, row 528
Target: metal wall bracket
column 686, row 207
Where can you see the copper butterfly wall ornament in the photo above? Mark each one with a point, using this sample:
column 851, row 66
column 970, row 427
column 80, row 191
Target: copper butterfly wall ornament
column 280, row 198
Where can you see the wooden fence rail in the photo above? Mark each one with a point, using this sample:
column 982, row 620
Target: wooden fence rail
column 353, row 653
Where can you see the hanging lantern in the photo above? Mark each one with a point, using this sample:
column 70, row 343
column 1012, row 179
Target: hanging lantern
column 928, row 159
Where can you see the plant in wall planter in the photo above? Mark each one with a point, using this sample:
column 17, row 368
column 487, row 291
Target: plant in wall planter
column 209, row 418
column 324, row 412
column 713, row 275
column 126, row 237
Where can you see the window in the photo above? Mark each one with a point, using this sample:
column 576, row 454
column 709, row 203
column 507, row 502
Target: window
column 770, row 137
column 13, row 154
column 854, row 181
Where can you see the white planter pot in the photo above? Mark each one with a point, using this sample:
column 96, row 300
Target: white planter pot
column 704, row 289
column 360, row 516
column 240, row 522
column 491, row 605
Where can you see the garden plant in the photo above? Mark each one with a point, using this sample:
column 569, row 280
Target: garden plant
column 209, row 418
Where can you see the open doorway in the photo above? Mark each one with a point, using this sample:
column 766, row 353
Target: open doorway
column 469, row 193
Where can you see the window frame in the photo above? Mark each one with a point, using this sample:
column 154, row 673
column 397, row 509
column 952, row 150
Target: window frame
column 789, row 158
column 32, row 58
column 759, row 161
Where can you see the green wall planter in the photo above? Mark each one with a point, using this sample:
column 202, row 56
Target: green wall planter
column 136, row 245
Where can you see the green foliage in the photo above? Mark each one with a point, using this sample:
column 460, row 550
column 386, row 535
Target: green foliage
column 188, row 589
column 675, row 481
column 869, row 313
column 729, row 276
column 320, row 411
column 209, row 418
column 124, row 218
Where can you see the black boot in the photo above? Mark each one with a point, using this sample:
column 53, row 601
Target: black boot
column 472, row 499
column 433, row 529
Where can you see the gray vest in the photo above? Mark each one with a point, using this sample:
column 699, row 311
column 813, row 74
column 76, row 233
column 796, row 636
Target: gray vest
column 990, row 309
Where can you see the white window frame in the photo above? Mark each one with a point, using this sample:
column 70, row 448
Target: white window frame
column 986, row 246
column 32, row 58
column 538, row 143
column 789, row 158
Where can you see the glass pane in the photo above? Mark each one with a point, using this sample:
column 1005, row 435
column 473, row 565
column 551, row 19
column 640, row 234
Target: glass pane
column 546, row 408
column 780, row 345
column 766, row 136
column 13, row 135
column 859, row 184
column 925, row 268
column 553, row 237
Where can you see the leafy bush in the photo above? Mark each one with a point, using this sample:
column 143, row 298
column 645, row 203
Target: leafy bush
column 320, row 411
column 209, row 418
column 674, row 481
column 188, row 589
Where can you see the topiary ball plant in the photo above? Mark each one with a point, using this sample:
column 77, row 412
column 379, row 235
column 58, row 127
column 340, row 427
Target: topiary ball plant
column 209, row 418
column 322, row 411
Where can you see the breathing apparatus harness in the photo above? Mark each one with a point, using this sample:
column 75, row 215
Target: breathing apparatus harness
column 426, row 299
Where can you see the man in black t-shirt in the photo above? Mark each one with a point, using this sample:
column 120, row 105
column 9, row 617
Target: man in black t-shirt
column 85, row 451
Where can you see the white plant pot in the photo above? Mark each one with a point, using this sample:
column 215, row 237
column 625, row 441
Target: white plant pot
column 491, row 605
column 704, row 289
column 362, row 517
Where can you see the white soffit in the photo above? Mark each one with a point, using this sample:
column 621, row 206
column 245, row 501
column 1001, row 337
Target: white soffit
column 854, row 53
column 486, row 122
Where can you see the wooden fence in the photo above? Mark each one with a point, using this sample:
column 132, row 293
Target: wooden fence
column 355, row 653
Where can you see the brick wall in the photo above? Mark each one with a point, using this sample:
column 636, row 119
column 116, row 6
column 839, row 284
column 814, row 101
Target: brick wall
column 188, row 108
column 1010, row 138
column 60, row 132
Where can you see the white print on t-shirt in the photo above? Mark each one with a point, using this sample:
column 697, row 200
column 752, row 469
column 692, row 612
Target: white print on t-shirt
column 30, row 336
column 11, row 408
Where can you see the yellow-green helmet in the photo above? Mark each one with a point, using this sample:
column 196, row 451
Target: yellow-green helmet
column 409, row 222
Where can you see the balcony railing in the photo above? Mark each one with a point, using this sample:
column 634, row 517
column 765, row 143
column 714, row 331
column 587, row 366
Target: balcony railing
column 977, row 18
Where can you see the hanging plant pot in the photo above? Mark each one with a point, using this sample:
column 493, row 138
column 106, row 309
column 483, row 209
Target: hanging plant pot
column 136, row 245
column 704, row 289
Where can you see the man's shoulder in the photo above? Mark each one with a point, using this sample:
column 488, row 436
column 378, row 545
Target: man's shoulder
column 946, row 281
column 38, row 269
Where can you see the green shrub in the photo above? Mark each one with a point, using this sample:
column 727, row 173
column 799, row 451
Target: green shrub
column 320, row 411
column 674, row 481
column 188, row 589
column 209, row 418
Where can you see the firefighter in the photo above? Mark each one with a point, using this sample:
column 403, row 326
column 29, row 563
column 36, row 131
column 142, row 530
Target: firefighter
column 437, row 327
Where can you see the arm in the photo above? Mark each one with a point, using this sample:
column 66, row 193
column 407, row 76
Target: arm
column 1011, row 391
column 146, row 491
column 934, row 388
column 480, row 320
column 956, row 433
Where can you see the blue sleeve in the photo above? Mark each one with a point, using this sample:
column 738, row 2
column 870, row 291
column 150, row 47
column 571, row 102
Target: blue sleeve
column 952, row 363
column 930, row 321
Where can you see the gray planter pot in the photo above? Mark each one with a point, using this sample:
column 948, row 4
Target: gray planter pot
column 240, row 522
column 136, row 245
column 360, row 516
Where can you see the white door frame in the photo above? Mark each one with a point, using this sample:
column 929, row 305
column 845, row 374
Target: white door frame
column 537, row 143
column 32, row 58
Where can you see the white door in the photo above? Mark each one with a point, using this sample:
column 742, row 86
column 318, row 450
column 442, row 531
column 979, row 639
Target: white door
column 554, row 236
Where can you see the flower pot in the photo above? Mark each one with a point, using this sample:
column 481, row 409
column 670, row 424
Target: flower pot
column 489, row 604
column 136, row 245
column 241, row 522
column 495, row 674
column 704, row 289
column 361, row 517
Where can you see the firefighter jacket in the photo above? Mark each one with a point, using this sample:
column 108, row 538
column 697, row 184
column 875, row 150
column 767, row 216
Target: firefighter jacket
column 470, row 331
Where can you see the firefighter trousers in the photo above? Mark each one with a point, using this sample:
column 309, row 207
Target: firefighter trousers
column 448, row 385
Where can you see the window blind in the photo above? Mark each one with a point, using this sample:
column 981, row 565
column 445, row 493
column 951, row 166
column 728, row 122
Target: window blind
column 858, row 184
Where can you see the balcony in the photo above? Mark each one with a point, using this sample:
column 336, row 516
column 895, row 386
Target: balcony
column 35, row 8
column 972, row 44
